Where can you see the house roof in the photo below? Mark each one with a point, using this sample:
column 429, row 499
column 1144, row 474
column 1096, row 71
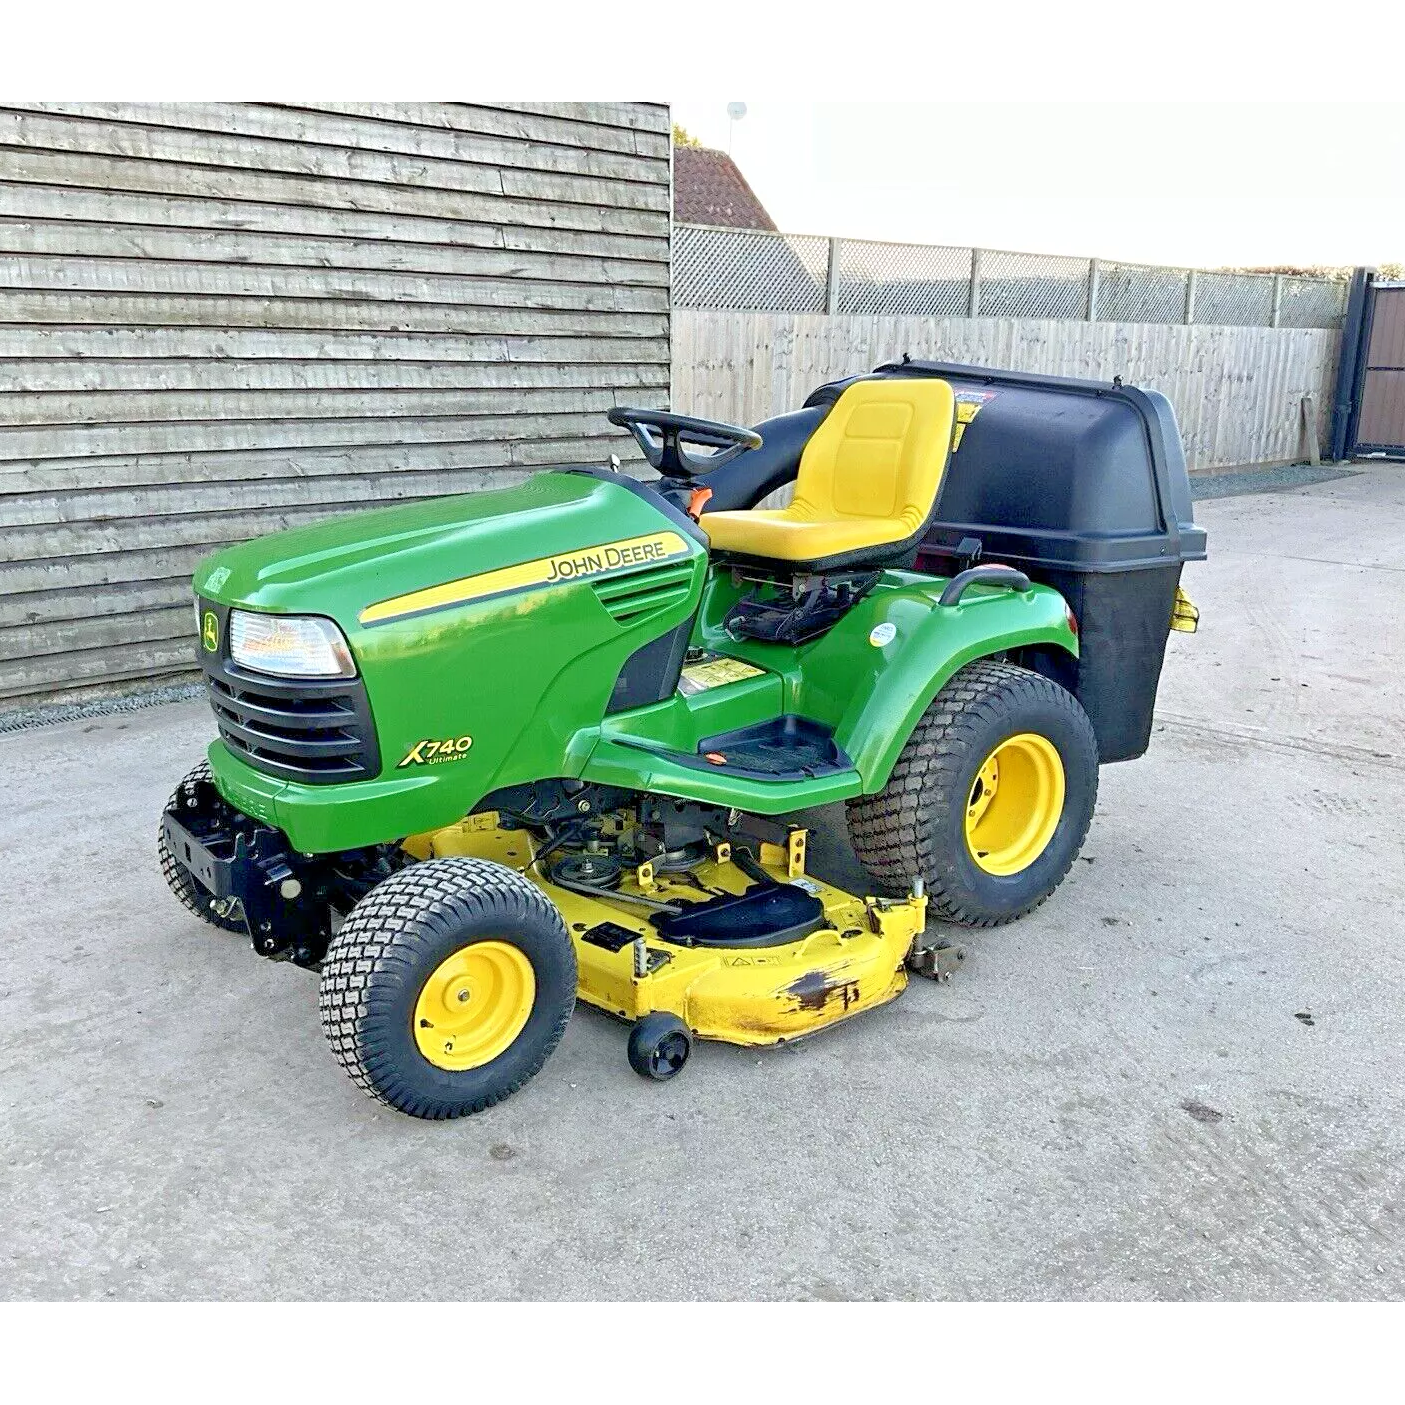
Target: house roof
column 709, row 189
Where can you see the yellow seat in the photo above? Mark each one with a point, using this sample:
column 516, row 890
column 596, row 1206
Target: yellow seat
column 867, row 483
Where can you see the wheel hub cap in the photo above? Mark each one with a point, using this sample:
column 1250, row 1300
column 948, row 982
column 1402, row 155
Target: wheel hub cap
column 1015, row 803
column 670, row 1055
column 474, row 1005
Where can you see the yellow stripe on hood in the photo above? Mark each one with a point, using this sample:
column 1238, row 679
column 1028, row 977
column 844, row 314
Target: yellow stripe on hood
column 605, row 559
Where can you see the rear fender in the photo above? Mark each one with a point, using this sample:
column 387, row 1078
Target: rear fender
column 896, row 672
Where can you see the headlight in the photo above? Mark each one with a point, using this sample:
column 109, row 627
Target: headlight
column 292, row 646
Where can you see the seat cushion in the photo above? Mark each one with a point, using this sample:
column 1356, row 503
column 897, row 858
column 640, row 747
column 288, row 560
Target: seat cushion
column 867, row 482
column 787, row 538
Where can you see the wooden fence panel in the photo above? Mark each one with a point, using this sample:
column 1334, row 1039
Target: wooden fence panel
column 219, row 319
column 1237, row 391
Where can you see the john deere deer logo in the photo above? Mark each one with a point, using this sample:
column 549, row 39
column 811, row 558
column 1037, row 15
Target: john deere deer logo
column 210, row 631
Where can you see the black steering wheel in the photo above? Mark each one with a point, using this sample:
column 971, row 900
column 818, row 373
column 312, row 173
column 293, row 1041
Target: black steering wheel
column 660, row 434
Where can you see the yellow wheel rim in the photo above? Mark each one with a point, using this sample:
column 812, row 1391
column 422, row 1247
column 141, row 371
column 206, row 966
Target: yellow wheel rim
column 1015, row 803
column 474, row 1005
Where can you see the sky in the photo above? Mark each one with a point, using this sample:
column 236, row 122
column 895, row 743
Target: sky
column 1208, row 184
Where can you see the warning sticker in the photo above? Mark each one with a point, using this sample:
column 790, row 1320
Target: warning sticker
column 715, row 672
column 968, row 406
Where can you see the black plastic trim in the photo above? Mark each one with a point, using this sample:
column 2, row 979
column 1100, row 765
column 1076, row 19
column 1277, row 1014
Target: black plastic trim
column 293, row 718
column 991, row 574
column 755, row 474
column 650, row 674
column 803, row 730
column 318, row 731
column 766, row 914
column 310, row 745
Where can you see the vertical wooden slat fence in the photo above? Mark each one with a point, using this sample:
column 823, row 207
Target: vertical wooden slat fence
column 1237, row 391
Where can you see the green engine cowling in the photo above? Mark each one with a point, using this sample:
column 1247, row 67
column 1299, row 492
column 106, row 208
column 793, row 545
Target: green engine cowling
column 487, row 630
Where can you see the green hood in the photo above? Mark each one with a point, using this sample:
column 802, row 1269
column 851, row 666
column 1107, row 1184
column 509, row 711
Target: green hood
column 487, row 629
column 338, row 568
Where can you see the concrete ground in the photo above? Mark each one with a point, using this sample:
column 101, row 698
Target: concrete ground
column 1182, row 1078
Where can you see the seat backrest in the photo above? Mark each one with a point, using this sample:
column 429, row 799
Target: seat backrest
column 880, row 452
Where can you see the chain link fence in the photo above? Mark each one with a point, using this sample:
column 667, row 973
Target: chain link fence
column 1311, row 302
column 1234, row 300
column 919, row 280
column 757, row 271
column 1028, row 285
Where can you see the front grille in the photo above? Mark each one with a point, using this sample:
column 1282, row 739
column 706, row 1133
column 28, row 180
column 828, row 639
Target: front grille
column 318, row 731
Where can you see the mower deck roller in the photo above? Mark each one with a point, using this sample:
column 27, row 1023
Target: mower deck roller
column 485, row 755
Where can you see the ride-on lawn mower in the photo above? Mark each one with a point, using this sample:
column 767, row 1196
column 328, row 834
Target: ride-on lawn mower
column 482, row 755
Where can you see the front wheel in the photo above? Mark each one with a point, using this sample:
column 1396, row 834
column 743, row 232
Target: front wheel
column 990, row 800
column 447, row 987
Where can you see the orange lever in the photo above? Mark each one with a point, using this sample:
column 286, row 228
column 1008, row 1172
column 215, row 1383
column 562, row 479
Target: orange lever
column 699, row 500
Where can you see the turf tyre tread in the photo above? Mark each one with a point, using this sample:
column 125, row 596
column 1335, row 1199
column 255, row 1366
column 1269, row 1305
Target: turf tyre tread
column 380, row 953
column 896, row 833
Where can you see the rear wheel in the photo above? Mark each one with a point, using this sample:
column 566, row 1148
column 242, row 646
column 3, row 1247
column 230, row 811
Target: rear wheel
column 447, row 987
column 990, row 800
column 191, row 792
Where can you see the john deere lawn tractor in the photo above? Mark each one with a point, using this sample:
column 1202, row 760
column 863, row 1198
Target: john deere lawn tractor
column 482, row 756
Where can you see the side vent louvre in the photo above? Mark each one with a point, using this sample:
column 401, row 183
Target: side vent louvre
column 632, row 598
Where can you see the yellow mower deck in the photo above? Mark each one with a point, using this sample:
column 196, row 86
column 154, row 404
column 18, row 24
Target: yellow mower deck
column 752, row 996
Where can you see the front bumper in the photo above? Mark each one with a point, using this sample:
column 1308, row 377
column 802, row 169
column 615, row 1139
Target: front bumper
column 253, row 866
column 290, row 901
column 326, row 819
column 231, row 864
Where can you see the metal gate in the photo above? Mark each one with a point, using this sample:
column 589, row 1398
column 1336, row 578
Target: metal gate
column 1378, row 418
